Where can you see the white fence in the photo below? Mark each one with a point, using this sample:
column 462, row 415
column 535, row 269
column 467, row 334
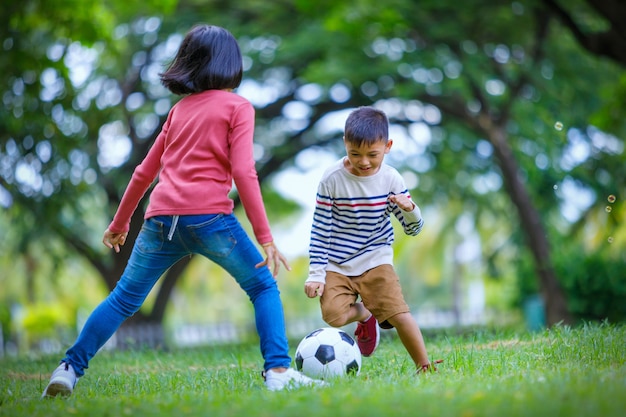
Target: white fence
column 204, row 334
column 191, row 335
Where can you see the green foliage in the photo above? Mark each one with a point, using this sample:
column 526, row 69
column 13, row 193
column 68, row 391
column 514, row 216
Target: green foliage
column 41, row 322
column 609, row 116
column 593, row 280
column 411, row 58
column 5, row 321
column 574, row 372
column 72, row 19
column 595, row 285
column 526, row 279
column 279, row 206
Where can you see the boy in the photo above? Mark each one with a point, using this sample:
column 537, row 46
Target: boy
column 351, row 237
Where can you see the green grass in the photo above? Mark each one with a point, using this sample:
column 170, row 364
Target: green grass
column 579, row 371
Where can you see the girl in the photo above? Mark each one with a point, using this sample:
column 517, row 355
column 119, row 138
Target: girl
column 204, row 145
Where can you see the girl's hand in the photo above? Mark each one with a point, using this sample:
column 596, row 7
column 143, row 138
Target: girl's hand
column 273, row 259
column 114, row 240
column 402, row 201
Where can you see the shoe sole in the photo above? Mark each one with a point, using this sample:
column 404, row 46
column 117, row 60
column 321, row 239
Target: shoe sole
column 377, row 340
column 57, row 389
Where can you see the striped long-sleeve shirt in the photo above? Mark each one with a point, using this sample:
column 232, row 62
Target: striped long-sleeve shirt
column 352, row 230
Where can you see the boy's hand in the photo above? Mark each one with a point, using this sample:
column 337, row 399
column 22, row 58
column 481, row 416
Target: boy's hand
column 402, row 201
column 313, row 289
column 114, row 240
column 429, row 367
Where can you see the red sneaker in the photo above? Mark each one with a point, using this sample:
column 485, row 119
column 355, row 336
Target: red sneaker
column 367, row 336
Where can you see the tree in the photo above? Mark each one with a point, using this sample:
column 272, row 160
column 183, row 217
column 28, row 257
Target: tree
column 65, row 74
column 481, row 94
column 605, row 38
column 597, row 27
column 484, row 81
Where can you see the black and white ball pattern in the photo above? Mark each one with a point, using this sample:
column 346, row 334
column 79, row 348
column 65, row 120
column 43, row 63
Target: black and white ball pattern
column 328, row 352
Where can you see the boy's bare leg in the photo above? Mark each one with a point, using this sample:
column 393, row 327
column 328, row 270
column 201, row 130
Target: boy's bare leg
column 358, row 312
column 411, row 337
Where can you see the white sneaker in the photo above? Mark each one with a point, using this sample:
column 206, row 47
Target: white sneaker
column 276, row 381
column 62, row 381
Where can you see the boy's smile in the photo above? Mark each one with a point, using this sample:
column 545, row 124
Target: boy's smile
column 365, row 160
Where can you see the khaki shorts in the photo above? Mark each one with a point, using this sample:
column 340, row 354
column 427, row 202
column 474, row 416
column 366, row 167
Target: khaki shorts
column 379, row 289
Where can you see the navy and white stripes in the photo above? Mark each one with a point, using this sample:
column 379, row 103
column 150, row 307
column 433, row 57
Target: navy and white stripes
column 352, row 224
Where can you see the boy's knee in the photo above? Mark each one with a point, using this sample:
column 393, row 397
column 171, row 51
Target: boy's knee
column 335, row 320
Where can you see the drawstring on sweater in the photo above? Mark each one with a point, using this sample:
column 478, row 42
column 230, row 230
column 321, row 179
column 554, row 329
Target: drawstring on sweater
column 172, row 227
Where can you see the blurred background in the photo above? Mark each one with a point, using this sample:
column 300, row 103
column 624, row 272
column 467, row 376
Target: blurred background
column 508, row 126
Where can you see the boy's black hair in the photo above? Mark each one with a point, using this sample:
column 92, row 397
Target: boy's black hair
column 365, row 126
column 208, row 58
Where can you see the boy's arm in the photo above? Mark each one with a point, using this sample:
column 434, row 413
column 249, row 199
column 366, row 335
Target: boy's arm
column 408, row 213
column 314, row 284
column 317, row 273
column 320, row 237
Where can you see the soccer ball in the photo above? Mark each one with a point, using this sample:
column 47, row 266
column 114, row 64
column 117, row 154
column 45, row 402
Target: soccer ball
column 328, row 352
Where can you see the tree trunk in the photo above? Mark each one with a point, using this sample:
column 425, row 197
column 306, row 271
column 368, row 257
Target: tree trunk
column 553, row 296
column 142, row 329
column 168, row 281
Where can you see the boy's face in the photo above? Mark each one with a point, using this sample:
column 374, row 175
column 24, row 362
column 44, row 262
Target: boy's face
column 366, row 160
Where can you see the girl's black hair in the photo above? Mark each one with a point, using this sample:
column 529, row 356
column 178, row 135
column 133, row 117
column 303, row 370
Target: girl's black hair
column 209, row 58
column 366, row 126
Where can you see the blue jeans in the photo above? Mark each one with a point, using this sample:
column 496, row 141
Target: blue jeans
column 160, row 244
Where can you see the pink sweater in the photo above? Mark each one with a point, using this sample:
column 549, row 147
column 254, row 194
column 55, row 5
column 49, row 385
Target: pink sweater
column 206, row 143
